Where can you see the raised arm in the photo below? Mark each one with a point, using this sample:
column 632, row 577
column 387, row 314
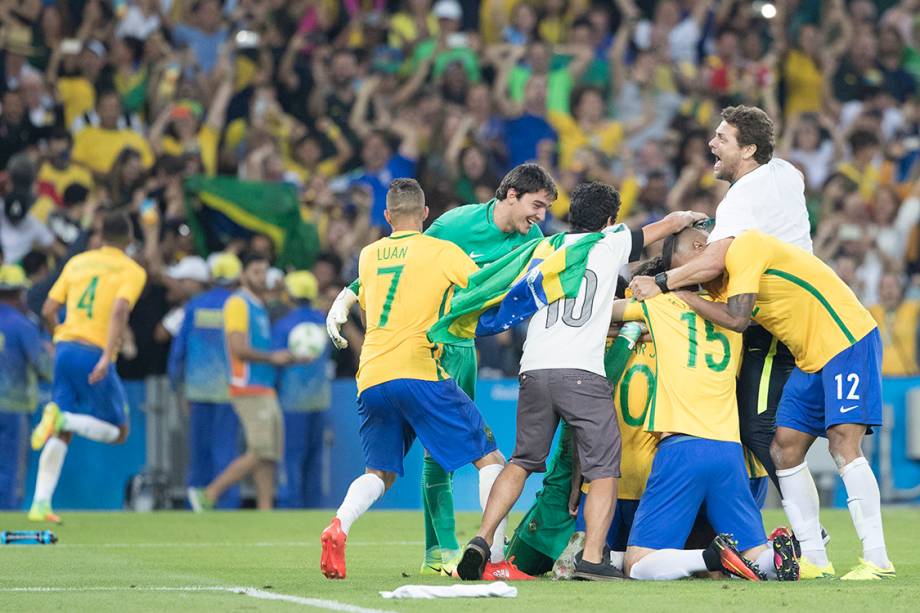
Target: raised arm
column 736, row 315
column 671, row 224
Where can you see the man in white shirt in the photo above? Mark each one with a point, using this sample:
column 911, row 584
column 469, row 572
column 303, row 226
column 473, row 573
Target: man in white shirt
column 766, row 194
column 562, row 376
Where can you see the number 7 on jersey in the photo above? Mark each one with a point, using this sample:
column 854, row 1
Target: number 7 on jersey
column 396, row 271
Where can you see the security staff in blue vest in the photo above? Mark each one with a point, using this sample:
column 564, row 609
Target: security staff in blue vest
column 304, row 391
column 198, row 365
column 24, row 358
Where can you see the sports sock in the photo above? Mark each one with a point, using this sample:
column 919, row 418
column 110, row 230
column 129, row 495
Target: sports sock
column 49, row 469
column 438, row 506
column 765, row 562
column 668, row 564
column 616, row 558
column 800, row 501
column 362, row 493
column 864, row 501
column 89, row 427
column 487, row 476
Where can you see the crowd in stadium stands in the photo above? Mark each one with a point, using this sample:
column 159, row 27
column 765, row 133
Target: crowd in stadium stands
column 114, row 104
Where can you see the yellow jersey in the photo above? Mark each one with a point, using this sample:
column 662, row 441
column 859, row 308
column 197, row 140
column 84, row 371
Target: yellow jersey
column 206, row 144
column 406, row 280
column 572, row 138
column 96, row 148
column 89, row 285
column 633, row 397
column 800, row 300
column 77, row 95
column 695, row 382
column 898, row 330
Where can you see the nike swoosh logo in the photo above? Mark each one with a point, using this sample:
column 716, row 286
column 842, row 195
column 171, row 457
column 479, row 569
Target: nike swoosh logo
column 848, row 409
column 474, row 255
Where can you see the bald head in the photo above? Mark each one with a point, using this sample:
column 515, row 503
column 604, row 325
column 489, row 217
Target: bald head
column 406, row 202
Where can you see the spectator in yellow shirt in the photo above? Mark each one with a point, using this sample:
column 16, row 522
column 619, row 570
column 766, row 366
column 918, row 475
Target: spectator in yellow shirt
column 588, row 126
column 897, row 323
column 97, row 146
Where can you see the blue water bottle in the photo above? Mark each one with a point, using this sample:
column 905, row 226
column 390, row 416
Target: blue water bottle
column 27, row 537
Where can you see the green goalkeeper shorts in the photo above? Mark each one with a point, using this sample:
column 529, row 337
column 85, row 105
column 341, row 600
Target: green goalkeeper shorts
column 460, row 363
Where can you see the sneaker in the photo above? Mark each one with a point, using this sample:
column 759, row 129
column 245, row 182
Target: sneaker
column 49, row 425
column 810, row 570
column 41, row 511
column 867, row 571
column 332, row 560
column 472, row 564
column 504, row 571
column 450, row 559
column 564, row 566
column 597, row 571
column 199, row 500
column 785, row 561
column 733, row 562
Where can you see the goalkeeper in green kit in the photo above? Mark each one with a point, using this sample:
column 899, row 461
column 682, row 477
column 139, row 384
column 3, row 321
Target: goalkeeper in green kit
column 486, row 232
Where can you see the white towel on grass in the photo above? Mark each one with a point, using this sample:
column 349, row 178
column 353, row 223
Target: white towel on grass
column 497, row 589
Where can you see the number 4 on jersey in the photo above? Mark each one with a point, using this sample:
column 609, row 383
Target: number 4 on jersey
column 88, row 297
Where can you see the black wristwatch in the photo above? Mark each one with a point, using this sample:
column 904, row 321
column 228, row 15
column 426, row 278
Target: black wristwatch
column 661, row 280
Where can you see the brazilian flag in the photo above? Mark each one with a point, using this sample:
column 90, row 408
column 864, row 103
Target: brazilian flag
column 514, row 287
column 221, row 209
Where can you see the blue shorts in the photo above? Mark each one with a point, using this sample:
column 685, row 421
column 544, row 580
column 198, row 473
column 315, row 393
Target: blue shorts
column 688, row 472
column 618, row 535
column 444, row 418
column 848, row 390
column 106, row 400
column 759, row 489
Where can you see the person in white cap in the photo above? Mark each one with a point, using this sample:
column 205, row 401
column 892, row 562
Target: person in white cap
column 198, row 368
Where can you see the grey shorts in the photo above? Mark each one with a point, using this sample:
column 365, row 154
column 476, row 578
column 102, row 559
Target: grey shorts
column 585, row 401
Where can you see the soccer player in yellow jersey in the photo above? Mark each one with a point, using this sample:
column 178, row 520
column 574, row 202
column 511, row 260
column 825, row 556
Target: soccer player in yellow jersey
column 700, row 460
column 834, row 391
column 403, row 391
column 99, row 289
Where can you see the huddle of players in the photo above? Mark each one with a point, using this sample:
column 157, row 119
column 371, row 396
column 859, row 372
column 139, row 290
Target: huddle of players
column 699, row 459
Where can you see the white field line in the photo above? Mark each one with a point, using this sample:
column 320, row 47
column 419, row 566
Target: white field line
column 192, row 544
column 316, row 603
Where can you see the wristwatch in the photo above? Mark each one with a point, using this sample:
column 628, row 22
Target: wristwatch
column 661, row 280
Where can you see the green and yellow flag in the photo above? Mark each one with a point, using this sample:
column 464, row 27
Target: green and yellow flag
column 224, row 208
column 514, row 287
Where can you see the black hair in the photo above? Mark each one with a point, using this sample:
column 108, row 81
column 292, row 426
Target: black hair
column 580, row 92
column 861, row 139
column 253, row 258
column 592, row 205
column 75, row 194
column 331, row 258
column 650, row 268
column 33, row 262
column 622, row 284
column 527, row 179
column 116, row 228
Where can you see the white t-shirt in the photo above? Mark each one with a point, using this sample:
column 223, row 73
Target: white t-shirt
column 18, row 240
column 771, row 199
column 571, row 333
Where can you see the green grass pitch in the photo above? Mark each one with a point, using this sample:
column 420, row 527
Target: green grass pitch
column 147, row 562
